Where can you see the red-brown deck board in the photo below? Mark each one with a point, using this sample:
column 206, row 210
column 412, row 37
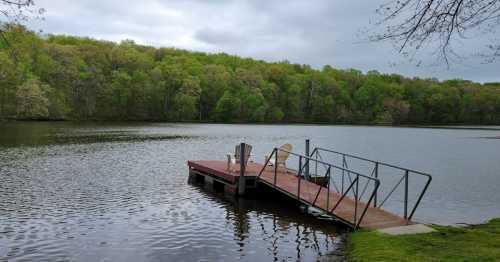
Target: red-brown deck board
column 287, row 182
column 219, row 169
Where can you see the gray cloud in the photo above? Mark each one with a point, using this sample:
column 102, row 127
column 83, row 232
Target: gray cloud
column 316, row 32
column 219, row 37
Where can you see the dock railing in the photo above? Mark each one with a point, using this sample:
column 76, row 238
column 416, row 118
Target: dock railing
column 332, row 175
column 376, row 173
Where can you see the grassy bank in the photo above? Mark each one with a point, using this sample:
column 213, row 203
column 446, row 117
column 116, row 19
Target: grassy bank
column 473, row 243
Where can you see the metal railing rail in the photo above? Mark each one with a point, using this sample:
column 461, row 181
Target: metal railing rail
column 375, row 174
column 353, row 185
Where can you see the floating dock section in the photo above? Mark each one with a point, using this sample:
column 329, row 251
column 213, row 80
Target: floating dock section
column 346, row 205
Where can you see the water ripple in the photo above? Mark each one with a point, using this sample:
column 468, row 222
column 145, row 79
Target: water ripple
column 96, row 194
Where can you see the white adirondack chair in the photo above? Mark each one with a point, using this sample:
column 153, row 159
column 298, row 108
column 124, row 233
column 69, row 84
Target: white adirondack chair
column 235, row 159
column 282, row 156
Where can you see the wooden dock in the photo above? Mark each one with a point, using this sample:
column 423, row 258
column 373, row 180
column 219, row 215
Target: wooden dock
column 287, row 182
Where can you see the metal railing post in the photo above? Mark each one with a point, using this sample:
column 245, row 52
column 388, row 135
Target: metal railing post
column 376, row 192
column 343, row 172
column 275, row 166
column 328, row 189
column 299, row 175
column 307, row 155
column 429, row 179
column 377, row 184
column 356, row 200
column 316, row 164
column 406, row 194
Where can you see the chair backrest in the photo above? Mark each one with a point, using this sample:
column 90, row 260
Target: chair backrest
column 282, row 155
column 237, row 151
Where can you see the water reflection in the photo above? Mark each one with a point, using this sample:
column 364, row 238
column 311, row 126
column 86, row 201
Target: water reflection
column 276, row 222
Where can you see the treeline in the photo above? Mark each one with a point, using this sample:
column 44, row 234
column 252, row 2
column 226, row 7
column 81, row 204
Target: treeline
column 65, row 77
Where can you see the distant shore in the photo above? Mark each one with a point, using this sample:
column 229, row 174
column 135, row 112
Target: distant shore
column 440, row 126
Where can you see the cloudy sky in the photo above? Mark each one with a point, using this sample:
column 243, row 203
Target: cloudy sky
column 316, row 32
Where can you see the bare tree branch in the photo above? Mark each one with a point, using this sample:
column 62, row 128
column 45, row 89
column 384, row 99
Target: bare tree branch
column 412, row 23
column 16, row 11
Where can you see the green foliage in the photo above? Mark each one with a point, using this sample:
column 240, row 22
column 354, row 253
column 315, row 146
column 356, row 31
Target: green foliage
column 66, row 77
column 474, row 243
column 228, row 107
column 275, row 114
column 9, row 79
column 32, row 101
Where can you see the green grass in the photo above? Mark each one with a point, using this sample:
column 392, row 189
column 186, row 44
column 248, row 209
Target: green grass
column 473, row 243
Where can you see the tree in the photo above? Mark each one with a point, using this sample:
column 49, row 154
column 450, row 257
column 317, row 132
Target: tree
column 8, row 80
column 121, row 93
column 228, row 108
column 187, row 98
column 397, row 110
column 415, row 24
column 275, row 114
column 213, row 82
column 58, row 105
column 32, row 102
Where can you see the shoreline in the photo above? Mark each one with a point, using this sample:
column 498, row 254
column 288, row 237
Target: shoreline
column 493, row 127
column 447, row 243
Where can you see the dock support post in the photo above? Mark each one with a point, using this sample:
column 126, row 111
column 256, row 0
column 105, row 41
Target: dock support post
column 241, row 179
column 307, row 161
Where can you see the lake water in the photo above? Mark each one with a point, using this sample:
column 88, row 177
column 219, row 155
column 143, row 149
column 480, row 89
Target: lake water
column 119, row 192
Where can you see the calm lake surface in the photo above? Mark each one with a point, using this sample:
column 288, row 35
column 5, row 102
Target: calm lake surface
column 119, row 192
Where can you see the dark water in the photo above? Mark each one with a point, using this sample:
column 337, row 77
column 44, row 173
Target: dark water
column 119, row 192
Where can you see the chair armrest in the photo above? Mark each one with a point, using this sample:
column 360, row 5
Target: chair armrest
column 271, row 161
column 231, row 159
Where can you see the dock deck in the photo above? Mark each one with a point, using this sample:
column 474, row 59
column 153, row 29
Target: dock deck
column 287, row 182
column 219, row 169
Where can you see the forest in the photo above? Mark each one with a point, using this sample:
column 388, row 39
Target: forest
column 58, row 77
